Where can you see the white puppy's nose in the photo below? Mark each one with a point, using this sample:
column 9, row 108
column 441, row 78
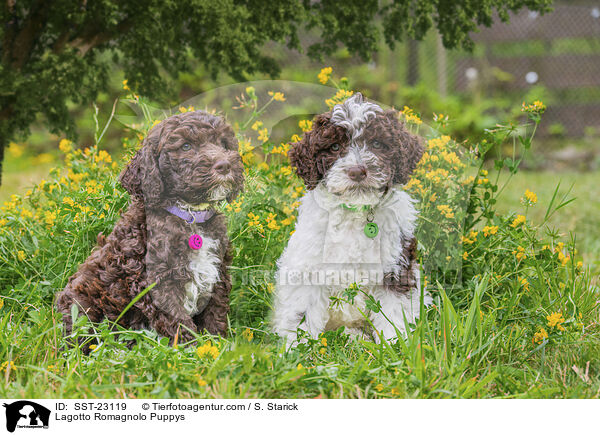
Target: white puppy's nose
column 357, row 173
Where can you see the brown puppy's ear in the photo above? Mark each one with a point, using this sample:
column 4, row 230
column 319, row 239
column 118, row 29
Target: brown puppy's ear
column 411, row 148
column 141, row 177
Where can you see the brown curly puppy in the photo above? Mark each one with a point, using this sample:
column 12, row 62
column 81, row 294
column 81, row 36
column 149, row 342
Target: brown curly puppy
column 170, row 235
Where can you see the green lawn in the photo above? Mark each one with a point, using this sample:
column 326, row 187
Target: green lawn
column 478, row 342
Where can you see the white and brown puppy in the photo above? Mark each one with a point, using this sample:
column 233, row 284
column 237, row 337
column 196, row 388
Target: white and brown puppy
column 355, row 225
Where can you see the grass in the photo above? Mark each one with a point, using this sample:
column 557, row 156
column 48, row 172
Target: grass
column 581, row 218
column 526, row 327
column 483, row 351
column 19, row 174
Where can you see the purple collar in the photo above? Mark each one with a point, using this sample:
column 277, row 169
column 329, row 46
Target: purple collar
column 191, row 217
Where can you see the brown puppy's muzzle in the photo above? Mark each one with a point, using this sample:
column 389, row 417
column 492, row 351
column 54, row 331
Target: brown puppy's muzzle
column 222, row 167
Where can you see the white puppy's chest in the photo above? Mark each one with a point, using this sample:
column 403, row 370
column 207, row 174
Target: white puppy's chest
column 204, row 267
column 331, row 247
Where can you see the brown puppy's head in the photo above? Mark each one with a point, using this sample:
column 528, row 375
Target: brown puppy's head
column 191, row 157
column 356, row 151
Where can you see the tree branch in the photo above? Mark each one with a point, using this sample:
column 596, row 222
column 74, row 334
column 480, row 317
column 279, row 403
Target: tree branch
column 25, row 40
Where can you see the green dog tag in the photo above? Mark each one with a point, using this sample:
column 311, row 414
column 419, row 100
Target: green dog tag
column 371, row 230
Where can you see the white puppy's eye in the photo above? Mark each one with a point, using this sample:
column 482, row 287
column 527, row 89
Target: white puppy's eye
column 186, row 147
column 335, row 147
column 377, row 144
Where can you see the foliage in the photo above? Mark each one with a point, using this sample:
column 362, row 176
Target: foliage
column 518, row 321
column 55, row 55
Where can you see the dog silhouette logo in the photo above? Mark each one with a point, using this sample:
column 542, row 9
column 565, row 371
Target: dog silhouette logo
column 26, row 414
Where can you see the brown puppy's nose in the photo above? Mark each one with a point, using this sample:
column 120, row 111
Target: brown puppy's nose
column 357, row 173
column 222, row 167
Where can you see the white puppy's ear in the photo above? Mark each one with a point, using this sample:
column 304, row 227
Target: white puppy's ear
column 411, row 148
column 303, row 154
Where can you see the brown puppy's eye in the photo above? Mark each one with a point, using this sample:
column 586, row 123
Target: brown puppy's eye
column 335, row 147
column 377, row 145
column 186, row 147
column 224, row 142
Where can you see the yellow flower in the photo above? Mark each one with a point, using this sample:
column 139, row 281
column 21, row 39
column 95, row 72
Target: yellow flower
column 325, row 74
column 538, row 337
column 305, row 125
column 250, row 91
column 103, row 156
column 272, row 222
column 15, row 150
column 579, row 264
column 44, row 158
column 519, row 220
column 49, row 217
column 324, row 341
column 468, row 180
column 379, row 387
column 277, row 96
column 65, row 145
column 257, row 125
column 125, row 86
column 471, row 238
column 1, row 303
column 323, row 351
column 201, row 382
column 285, row 170
column 93, row 347
column 519, row 253
column 410, row 116
column 8, row 365
column 207, row 349
column 556, row 320
column 26, row 213
column 248, row 334
column 536, row 107
column 529, row 198
column 338, row 98
column 446, row 211
column 21, row 255
column 281, row 149
column 287, row 221
column 564, row 259
column 299, row 366
column 524, row 283
column 68, row 201
column 465, row 255
column 490, row 230
column 395, row 391
column 263, row 135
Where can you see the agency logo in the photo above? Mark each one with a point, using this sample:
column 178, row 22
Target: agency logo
column 24, row 414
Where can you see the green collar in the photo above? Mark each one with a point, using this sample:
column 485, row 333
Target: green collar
column 356, row 207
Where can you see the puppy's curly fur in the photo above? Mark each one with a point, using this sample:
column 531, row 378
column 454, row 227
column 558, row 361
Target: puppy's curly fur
column 174, row 166
column 312, row 156
column 353, row 162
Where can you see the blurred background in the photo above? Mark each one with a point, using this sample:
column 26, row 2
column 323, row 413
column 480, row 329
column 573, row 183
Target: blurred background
column 554, row 58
